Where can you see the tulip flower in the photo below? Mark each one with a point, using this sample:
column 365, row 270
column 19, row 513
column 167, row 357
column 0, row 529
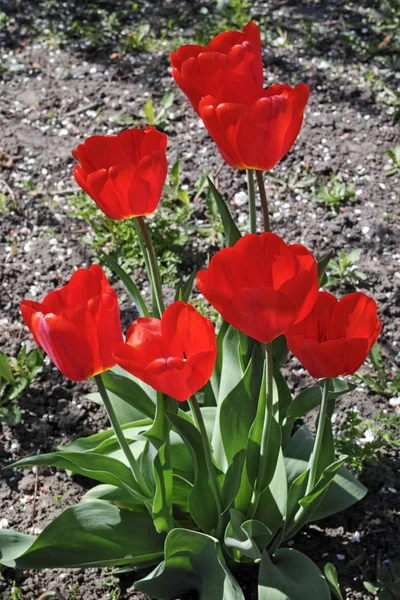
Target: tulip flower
column 175, row 354
column 337, row 335
column 261, row 286
column 252, row 127
column 231, row 57
column 78, row 324
column 125, row 173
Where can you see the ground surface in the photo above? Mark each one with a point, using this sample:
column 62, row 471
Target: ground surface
column 69, row 70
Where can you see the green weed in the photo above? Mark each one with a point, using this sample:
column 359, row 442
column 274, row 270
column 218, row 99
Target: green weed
column 344, row 270
column 15, row 376
column 388, row 584
column 393, row 166
column 335, row 193
column 380, row 380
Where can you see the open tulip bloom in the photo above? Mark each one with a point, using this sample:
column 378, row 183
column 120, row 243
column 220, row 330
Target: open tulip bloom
column 202, row 469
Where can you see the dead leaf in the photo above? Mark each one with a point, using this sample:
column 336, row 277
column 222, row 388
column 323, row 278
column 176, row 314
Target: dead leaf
column 386, row 40
column 6, row 160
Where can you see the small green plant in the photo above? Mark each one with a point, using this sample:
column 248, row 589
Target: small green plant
column 158, row 118
column 335, row 193
column 380, row 380
column 15, row 376
column 388, row 584
column 364, row 440
column 393, row 166
column 137, row 41
column 344, row 270
column 15, row 593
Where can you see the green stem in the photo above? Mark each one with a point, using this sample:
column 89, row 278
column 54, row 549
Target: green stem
column 268, row 415
column 121, row 438
column 264, row 201
column 198, row 418
column 252, row 201
column 152, row 261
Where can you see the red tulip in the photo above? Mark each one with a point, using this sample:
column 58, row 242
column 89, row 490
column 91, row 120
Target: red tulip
column 254, row 128
column 337, row 335
column 78, row 324
column 175, row 355
column 125, row 173
column 231, row 57
column 261, row 286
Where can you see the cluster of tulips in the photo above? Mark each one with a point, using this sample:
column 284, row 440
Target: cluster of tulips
column 266, row 292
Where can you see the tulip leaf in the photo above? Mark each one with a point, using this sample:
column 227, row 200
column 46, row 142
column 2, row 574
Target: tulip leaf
column 239, row 408
column 95, row 466
column 161, row 426
column 331, row 576
column 185, row 288
column 312, row 397
column 128, row 282
column 272, row 505
column 193, row 563
column 94, row 533
column 322, row 267
column 111, row 493
column 128, row 388
column 322, row 484
column 344, row 490
column 290, row 576
column 280, row 351
column 232, row 480
column 246, row 535
column 162, row 502
column 232, row 233
column 105, row 442
column 202, row 504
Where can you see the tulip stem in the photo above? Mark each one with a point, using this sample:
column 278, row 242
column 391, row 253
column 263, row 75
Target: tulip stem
column 265, row 440
column 264, row 200
column 154, row 270
column 252, row 201
column 198, row 419
column 144, row 488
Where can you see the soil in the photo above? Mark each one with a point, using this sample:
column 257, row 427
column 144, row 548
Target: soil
column 56, row 91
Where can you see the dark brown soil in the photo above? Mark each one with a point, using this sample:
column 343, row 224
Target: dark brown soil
column 56, row 91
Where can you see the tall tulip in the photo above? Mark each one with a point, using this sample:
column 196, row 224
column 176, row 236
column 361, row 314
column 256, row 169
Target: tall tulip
column 78, row 324
column 125, row 173
column 175, row 354
column 261, row 286
column 337, row 335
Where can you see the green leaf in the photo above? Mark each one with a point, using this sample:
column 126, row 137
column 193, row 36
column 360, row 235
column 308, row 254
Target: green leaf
column 128, row 282
column 202, row 504
column 95, row 466
column 232, row 480
column 116, row 495
column 10, row 414
column 314, row 495
column 331, row 576
column 148, row 111
column 193, row 563
column 322, row 266
column 185, row 288
column 105, row 442
column 344, row 490
column 232, row 233
column 5, row 369
column 128, row 388
column 280, row 351
column 248, row 536
column 162, row 502
column 159, row 431
column 238, row 410
column 291, row 576
column 312, row 397
column 94, row 533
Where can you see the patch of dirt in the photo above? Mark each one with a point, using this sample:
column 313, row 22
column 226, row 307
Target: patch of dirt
column 54, row 94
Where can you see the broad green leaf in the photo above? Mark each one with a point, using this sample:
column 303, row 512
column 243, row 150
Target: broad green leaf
column 310, row 398
column 129, row 390
column 12, row 545
column 238, row 410
column 331, row 576
column 118, row 496
column 284, row 394
column 280, row 351
column 291, row 576
column 94, row 533
column 185, row 288
column 5, row 369
column 193, row 563
column 314, row 496
column 159, row 431
column 202, row 504
column 232, row 233
column 128, row 282
column 232, row 480
column 344, row 491
column 95, row 466
column 246, row 535
column 272, row 505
